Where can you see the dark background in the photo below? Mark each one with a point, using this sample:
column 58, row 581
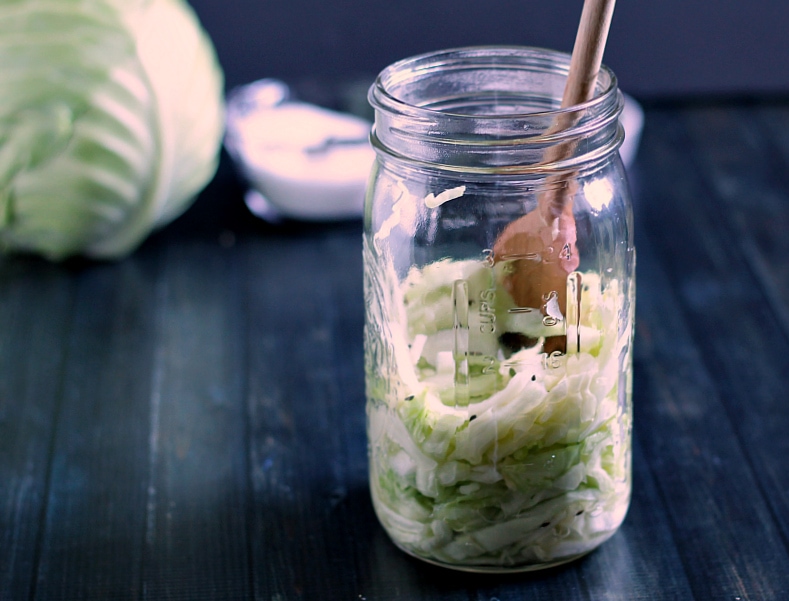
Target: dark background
column 658, row 48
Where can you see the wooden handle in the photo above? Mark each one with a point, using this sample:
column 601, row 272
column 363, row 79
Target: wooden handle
column 588, row 51
column 584, row 66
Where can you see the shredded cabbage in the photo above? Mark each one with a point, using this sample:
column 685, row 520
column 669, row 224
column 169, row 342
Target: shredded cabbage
column 111, row 117
column 530, row 466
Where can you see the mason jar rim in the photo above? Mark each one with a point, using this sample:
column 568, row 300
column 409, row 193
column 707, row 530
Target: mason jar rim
column 492, row 110
column 380, row 96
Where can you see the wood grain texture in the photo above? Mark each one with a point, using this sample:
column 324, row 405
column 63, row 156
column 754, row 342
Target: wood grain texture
column 94, row 509
column 196, row 506
column 312, row 511
column 726, row 361
column 588, row 51
column 31, row 360
column 188, row 423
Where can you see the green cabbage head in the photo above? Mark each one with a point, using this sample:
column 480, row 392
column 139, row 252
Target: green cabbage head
column 111, row 118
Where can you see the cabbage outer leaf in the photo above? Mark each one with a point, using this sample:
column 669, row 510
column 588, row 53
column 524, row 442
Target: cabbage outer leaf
column 111, row 119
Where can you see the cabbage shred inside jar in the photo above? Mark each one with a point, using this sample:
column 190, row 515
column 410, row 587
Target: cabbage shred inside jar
column 499, row 287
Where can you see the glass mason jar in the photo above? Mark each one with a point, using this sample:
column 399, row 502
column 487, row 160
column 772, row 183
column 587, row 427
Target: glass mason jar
column 499, row 290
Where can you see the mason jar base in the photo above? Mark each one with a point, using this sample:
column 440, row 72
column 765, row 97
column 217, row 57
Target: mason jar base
column 496, row 569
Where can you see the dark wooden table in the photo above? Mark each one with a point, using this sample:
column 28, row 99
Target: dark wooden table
column 188, row 423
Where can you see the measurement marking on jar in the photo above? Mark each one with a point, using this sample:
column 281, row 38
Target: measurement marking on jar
column 521, row 256
column 553, row 312
column 487, row 314
column 553, row 361
column 460, row 350
column 490, row 368
column 574, row 294
column 520, row 310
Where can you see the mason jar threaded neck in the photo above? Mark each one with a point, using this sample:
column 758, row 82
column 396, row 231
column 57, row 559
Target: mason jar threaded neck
column 492, row 110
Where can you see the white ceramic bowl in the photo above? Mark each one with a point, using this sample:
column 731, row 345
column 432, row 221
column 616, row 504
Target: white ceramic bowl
column 301, row 161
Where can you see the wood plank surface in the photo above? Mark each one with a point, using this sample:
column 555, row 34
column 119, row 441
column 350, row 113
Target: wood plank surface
column 94, row 507
column 32, row 354
column 188, row 423
column 728, row 307
column 196, row 506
